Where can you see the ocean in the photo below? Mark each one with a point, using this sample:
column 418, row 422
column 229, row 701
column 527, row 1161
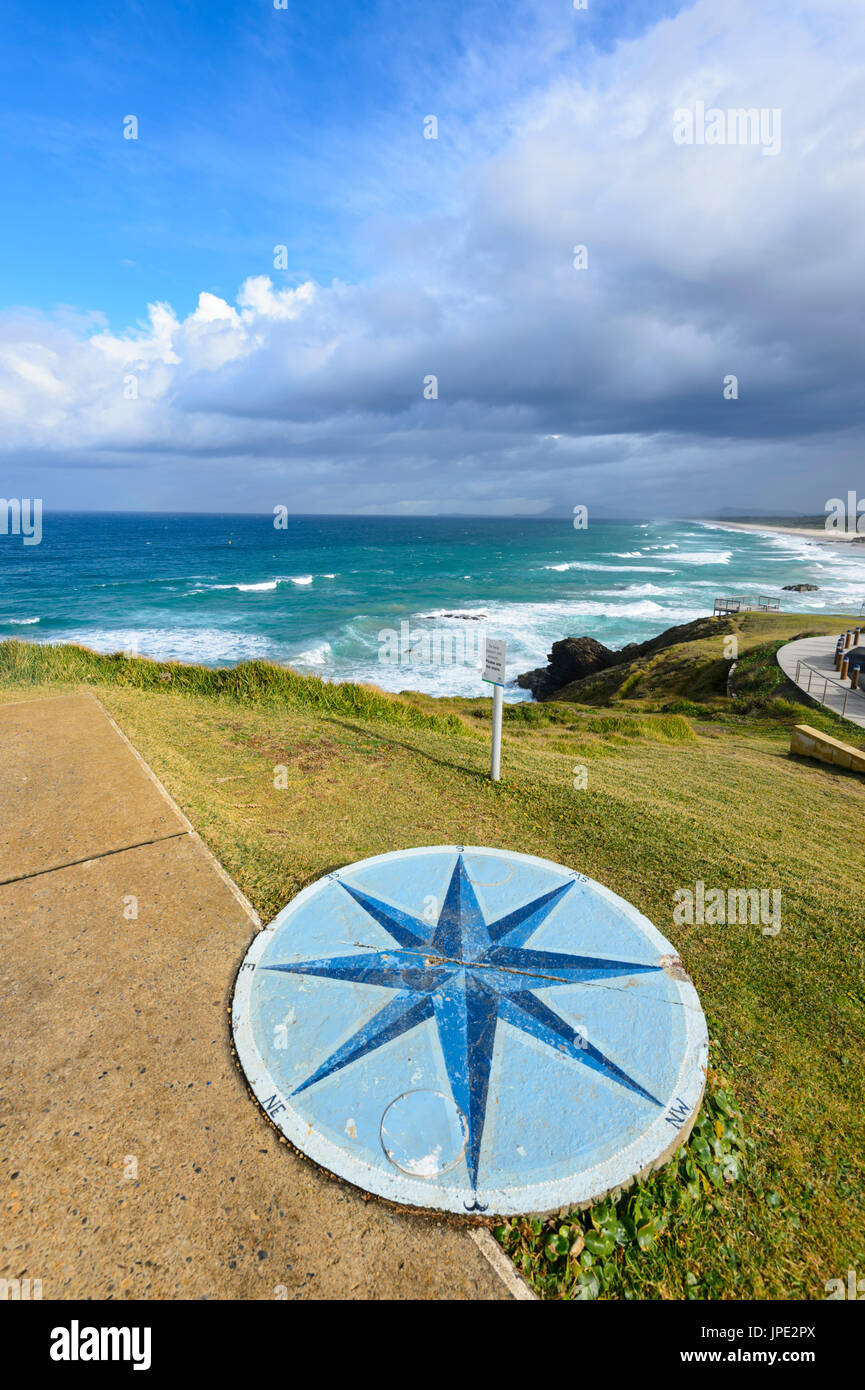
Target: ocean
column 401, row 602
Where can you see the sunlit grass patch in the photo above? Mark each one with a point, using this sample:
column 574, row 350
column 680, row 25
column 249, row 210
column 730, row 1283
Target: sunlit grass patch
column 661, row 728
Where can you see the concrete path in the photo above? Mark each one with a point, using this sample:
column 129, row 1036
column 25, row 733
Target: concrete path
column 817, row 658
column 133, row 1162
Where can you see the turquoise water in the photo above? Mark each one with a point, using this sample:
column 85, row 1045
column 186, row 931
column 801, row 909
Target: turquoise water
column 324, row 593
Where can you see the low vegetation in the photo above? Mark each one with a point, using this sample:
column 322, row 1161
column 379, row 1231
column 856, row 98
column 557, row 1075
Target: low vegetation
column 251, row 683
column 644, row 1235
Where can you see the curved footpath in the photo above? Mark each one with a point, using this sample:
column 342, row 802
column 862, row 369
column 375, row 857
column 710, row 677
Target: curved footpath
column 814, row 659
column 134, row 1163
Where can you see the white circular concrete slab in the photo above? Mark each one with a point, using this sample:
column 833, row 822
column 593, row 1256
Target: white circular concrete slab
column 471, row 1030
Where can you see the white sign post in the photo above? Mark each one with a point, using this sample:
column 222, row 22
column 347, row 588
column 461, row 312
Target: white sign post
column 495, row 661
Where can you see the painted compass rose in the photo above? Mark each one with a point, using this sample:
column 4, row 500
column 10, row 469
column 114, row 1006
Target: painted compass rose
column 471, row 1030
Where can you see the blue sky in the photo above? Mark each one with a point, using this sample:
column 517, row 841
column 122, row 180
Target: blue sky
column 151, row 260
column 256, row 127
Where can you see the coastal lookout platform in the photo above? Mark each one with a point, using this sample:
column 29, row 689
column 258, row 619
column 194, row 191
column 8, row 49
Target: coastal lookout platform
column 761, row 604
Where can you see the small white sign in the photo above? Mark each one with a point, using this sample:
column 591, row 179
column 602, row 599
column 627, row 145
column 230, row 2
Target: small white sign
column 495, row 660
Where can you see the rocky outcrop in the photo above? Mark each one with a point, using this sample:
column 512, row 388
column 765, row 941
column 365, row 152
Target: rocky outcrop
column 801, row 588
column 570, row 660
column 575, row 658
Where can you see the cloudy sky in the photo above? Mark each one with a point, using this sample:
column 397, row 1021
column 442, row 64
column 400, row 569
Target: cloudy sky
column 240, row 307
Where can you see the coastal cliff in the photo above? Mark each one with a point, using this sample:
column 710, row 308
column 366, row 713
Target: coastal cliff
column 576, row 659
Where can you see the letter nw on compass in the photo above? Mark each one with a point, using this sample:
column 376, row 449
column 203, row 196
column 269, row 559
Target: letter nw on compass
column 468, row 975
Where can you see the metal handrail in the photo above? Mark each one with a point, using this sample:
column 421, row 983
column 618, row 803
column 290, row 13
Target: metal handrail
column 827, row 681
column 763, row 603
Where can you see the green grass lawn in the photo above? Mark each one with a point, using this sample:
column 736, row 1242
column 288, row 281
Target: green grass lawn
column 682, row 785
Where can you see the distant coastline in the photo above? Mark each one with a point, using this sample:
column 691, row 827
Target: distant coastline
column 815, row 533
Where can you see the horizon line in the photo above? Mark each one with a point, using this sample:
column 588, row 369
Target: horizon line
column 744, row 515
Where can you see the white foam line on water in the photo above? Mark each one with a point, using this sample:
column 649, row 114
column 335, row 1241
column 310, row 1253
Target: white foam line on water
column 701, row 557
column 611, row 569
column 263, row 586
column 208, row 645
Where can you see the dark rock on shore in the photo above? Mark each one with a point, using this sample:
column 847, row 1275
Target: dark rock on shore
column 802, row 588
column 570, row 660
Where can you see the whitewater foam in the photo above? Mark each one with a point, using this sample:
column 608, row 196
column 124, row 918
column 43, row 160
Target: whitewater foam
column 316, row 656
column 612, row 569
column 702, row 557
column 264, row 586
column 209, row 646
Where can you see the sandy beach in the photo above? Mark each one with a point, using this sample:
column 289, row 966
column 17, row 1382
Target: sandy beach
column 814, row 533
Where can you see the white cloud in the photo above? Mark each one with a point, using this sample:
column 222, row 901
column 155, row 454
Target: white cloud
column 258, row 299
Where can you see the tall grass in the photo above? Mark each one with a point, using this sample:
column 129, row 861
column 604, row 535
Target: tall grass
column 251, row 682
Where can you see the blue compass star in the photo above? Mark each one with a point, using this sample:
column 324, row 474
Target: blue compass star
column 468, row 974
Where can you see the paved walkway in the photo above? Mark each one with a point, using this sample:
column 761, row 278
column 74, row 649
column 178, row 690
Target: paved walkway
column 818, row 654
column 133, row 1162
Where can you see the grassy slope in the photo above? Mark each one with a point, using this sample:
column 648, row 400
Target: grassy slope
column 669, row 801
column 697, row 670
